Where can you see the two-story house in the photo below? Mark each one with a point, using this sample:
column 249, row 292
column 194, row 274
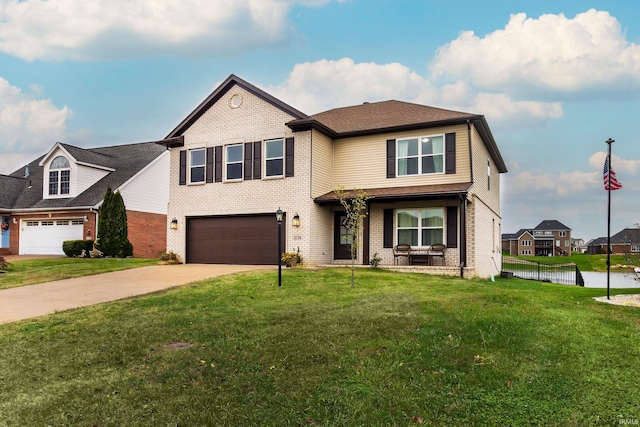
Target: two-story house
column 550, row 237
column 242, row 154
column 58, row 196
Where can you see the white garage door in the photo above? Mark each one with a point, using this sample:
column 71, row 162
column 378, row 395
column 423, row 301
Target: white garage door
column 45, row 237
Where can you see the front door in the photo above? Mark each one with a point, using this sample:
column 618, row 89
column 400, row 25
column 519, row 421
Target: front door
column 341, row 237
column 6, row 227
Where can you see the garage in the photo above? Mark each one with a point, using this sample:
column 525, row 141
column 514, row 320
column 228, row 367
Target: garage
column 238, row 239
column 45, row 237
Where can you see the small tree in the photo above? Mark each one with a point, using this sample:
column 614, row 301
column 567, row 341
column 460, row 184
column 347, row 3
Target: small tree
column 112, row 227
column 355, row 206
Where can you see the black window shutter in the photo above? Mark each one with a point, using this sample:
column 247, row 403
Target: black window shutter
column 450, row 152
column 257, row 155
column 183, row 167
column 288, row 167
column 218, row 164
column 248, row 162
column 391, row 159
column 388, row 228
column 452, row 227
column 209, row 164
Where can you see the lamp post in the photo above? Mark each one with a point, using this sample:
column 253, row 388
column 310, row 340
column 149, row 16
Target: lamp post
column 609, row 142
column 279, row 214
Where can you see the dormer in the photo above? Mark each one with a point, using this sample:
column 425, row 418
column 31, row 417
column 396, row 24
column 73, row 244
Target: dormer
column 66, row 175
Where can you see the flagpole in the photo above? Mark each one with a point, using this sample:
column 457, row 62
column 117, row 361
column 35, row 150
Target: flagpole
column 609, row 142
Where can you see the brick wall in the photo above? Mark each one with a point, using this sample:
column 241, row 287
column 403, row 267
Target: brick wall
column 147, row 233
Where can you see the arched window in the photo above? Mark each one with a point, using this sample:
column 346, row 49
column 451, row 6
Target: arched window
column 59, row 174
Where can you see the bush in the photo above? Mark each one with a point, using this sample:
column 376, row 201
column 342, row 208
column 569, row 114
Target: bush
column 170, row 258
column 74, row 248
column 3, row 263
column 291, row 259
column 374, row 262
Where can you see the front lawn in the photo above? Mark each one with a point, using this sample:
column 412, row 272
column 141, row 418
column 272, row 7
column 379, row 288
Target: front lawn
column 31, row 272
column 399, row 349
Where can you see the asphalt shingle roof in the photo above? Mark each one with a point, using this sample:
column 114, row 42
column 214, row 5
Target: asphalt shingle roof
column 127, row 160
column 376, row 116
column 551, row 224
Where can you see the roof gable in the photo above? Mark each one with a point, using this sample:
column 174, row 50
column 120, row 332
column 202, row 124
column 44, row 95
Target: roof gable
column 551, row 224
column 124, row 162
column 222, row 89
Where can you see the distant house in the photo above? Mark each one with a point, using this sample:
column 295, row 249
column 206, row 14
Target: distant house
column 549, row 238
column 58, row 196
column 625, row 241
column 578, row 245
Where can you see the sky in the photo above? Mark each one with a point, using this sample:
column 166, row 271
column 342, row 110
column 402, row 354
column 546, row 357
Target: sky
column 554, row 79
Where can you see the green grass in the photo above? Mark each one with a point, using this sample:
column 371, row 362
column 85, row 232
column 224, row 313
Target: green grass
column 399, row 349
column 30, row 272
column 588, row 262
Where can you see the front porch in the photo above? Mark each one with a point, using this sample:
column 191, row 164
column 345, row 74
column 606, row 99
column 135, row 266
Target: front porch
column 436, row 270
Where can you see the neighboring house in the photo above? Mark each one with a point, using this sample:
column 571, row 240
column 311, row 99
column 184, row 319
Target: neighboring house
column 625, row 241
column 520, row 243
column 578, row 245
column 549, row 238
column 242, row 154
column 57, row 197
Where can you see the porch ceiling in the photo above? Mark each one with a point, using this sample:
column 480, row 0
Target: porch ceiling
column 402, row 193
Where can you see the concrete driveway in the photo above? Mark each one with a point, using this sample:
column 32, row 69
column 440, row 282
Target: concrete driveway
column 47, row 298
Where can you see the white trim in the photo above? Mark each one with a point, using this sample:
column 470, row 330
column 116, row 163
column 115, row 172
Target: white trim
column 226, row 162
column 420, row 155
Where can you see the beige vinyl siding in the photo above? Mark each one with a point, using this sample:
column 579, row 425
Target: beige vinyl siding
column 486, row 250
column 85, row 177
column 148, row 190
column 480, row 187
column 321, row 164
column 361, row 162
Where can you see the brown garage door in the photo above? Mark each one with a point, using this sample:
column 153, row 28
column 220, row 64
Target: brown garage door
column 240, row 239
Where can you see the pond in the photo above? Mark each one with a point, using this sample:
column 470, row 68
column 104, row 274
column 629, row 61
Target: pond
column 616, row 280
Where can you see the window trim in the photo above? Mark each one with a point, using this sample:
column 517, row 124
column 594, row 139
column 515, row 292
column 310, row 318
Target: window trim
column 421, row 156
column 265, row 158
column 191, row 166
column 227, row 162
column 420, row 228
column 60, row 184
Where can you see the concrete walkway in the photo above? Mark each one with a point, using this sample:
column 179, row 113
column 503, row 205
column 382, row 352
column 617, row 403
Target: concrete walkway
column 47, row 298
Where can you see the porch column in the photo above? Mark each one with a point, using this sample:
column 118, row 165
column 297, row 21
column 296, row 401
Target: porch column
column 463, row 233
column 365, row 236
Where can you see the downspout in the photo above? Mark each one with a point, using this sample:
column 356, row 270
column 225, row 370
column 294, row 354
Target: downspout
column 463, row 233
column 470, row 152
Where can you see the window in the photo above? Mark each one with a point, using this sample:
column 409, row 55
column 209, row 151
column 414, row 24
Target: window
column 562, row 233
column 59, row 176
column 489, row 175
column 526, row 243
column 526, row 252
column 196, row 165
column 566, row 243
column 420, row 227
column 424, row 155
column 274, row 158
column 635, row 248
column 234, row 162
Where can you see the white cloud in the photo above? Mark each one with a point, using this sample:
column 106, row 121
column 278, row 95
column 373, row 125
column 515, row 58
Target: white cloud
column 619, row 164
column 97, row 29
column 27, row 124
column 550, row 54
column 317, row 86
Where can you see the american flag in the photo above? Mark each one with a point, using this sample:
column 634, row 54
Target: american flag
column 608, row 173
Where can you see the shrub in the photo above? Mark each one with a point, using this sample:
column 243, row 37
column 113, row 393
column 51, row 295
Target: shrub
column 170, row 257
column 374, row 262
column 3, row 263
column 291, row 259
column 74, row 248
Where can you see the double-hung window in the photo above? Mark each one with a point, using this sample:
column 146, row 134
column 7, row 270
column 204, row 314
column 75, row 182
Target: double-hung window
column 274, row 158
column 196, row 165
column 420, row 227
column 59, row 176
column 422, row 155
column 234, row 162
